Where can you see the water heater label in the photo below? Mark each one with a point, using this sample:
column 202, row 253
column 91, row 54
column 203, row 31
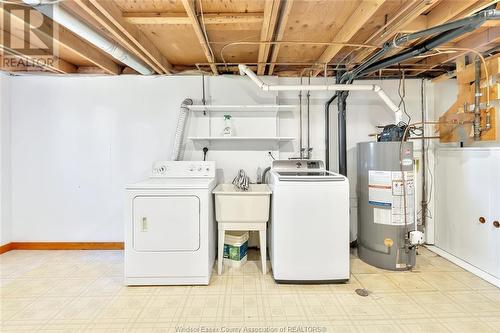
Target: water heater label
column 386, row 193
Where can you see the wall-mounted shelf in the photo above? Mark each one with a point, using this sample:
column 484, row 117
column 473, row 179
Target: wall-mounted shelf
column 239, row 143
column 242, row 108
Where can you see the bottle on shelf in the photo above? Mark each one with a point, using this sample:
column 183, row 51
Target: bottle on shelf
column 228, row 131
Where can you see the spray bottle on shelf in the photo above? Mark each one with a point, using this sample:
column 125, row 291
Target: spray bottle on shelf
column 228, row 131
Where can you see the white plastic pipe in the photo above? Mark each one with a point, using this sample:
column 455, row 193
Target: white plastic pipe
column 327, row 87
column 59, row 15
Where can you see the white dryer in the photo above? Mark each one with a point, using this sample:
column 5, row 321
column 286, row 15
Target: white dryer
column 169, row 225
column 309, row 228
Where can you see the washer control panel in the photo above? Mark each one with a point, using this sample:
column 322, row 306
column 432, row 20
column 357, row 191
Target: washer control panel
column 170, row 169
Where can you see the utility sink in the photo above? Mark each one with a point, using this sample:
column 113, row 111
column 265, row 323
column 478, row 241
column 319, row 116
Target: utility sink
column 233, row 205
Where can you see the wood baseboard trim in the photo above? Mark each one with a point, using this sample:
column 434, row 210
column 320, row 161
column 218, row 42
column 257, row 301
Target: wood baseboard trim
column 6, row 248
column 61, row 246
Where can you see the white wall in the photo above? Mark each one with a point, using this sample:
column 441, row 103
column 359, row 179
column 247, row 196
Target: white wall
column 76, row 141
column 5, row 177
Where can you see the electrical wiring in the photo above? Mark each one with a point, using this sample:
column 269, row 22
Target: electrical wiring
column 292, row 43
column 402, row 95
column 483, row 61
column 403, row 180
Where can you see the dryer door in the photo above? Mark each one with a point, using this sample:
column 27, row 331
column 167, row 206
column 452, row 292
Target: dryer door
column 166, row 223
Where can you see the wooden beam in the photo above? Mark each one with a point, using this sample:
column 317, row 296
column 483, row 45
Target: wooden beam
column 182, row 18
column 447, row 11
column 106, row 24
column 360, row 17
column 111, row 11
column 189, row 7
column 419, row 23
column 12, row 62
column 44, row 60
column 280, row 32
column 444, row 77
column 69, row 40
column 271, row 12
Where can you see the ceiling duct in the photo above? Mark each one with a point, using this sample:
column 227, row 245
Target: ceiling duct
column 70, row 22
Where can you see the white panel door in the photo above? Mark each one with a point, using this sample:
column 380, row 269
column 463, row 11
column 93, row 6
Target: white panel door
column 463, row 195
column 495, row 215
column 166, row 223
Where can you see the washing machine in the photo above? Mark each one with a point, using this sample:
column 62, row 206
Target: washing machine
column 169, row 225
column 309, row 227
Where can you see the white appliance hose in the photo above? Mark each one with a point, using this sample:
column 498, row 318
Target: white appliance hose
column 179, row 131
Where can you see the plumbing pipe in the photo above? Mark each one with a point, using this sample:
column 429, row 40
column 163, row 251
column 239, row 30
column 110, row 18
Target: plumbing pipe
column 418, row 49
column 327, row 87
column 308, row 96
column 179, row 131
column 477, row 95
column 342, row 131
column 301, row 149
column 64, row 18
column 447, row 32
column 327, row 129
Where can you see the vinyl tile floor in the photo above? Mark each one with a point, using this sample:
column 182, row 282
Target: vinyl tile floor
column 83, row 291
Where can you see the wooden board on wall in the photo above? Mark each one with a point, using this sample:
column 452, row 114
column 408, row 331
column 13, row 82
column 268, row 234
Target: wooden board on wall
column 457, row 121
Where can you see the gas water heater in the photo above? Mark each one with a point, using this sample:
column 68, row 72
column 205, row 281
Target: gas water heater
column 386, row 207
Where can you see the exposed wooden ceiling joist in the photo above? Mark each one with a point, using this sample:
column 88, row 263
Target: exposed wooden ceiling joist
column 67, row 39
column 198, row 30
column 280, row 32
column 362, row 14
column 181, row 18
column 446, row 11
column 24, row 62
column 271, row 12
column 107, row 10
column 117, row 35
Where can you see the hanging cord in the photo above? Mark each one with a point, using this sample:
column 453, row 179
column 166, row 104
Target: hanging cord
column 241, row 180
column 403, row 180
column 402, row 92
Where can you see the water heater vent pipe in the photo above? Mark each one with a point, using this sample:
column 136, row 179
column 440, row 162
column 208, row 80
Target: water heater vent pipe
column 326, row 87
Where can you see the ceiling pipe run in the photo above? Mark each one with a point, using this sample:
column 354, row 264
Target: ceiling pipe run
column 327, row 87
column 64, row 18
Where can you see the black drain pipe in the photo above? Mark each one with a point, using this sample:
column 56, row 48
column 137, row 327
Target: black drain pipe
column 327, row 130
column 342, row 131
